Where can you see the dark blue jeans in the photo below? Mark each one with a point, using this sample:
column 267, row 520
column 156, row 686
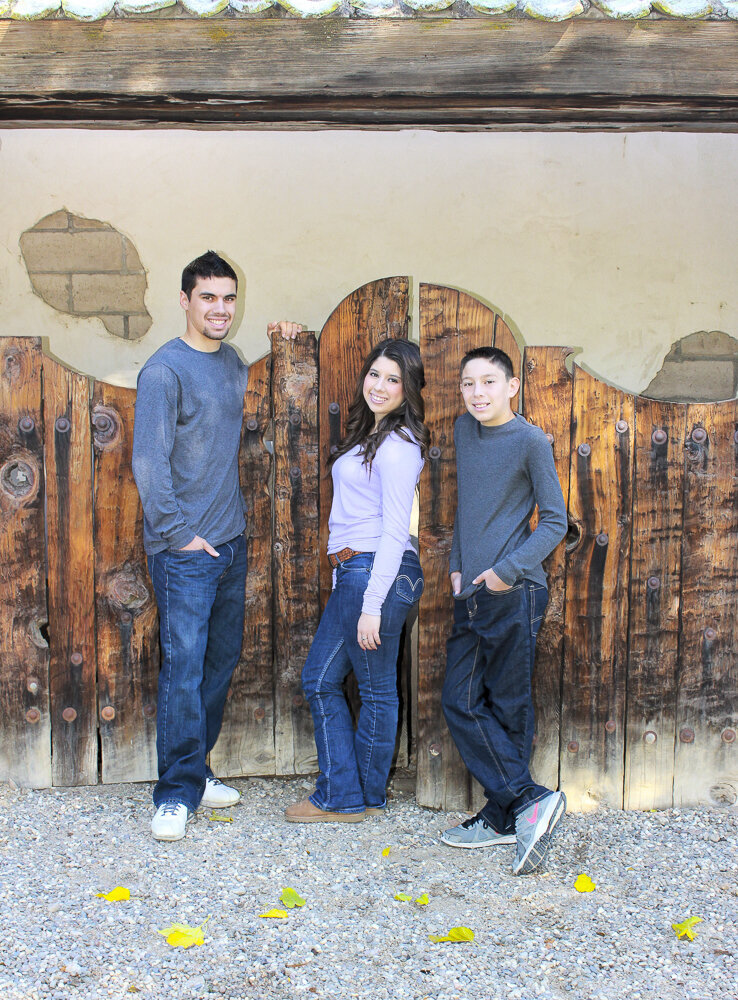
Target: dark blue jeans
column 201, row 609
column 487, row 694
column 354, row 767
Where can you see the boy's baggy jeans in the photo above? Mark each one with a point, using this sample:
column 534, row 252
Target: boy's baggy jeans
column 201, row 611
column 354, row 767
column 487, row 697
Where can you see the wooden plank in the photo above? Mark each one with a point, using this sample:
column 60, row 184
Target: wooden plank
column 246, row 742
column 596, row 608
column 463, row 71
column 451, row 323
column 547, row 398
column 653, row 641
column 127, row 623
column 25, row 724
column 370, row 313
column 706, row 757
column 295, row 567
column 71, row 580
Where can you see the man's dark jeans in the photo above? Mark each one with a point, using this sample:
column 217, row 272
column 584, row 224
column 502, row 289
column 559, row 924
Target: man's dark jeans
column 201, row 609
column 487, row 694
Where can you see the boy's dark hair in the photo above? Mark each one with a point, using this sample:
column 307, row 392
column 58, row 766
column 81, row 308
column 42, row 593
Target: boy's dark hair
column 207, row 265
column 493, row 354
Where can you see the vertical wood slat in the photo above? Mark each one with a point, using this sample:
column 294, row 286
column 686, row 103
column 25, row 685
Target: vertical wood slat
column 654, row 604
column 25, row 724
column 451, row 323
column 595, row 659
column 547, row 399
column 296, row 532
column 706, row 755
column 71, row 580
column 370, row 313
column 127, row 625
column 246, row 741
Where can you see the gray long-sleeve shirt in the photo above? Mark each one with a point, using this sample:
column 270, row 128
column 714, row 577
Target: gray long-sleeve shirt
column 189, row 410
column 502, row 473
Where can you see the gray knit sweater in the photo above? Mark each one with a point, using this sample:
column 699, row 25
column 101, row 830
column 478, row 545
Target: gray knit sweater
column 189, row 410
column 502, row 473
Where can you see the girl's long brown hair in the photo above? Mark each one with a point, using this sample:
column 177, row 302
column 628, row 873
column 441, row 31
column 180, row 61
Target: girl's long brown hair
column 408, row 417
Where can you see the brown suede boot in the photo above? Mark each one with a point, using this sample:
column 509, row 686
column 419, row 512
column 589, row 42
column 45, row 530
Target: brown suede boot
column 306, row 812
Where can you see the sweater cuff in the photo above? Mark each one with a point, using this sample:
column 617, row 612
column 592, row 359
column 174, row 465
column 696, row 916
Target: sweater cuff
column 181, row 538
column 506, row 572
column 370, row 608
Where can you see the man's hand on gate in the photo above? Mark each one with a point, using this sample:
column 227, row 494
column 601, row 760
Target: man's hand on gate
column 286, row 329
column 200, row 543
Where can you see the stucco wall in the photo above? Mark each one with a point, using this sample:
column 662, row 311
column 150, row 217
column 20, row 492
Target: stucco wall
column 618, row 244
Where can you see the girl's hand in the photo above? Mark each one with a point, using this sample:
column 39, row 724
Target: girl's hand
column 367, row 631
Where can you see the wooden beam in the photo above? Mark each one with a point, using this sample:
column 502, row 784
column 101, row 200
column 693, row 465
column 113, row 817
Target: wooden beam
column 468, row 73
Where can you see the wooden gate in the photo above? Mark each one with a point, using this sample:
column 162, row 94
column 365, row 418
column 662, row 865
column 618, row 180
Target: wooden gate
column 636, row 680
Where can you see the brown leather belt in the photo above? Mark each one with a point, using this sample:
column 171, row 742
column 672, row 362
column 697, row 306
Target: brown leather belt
column 336, row 558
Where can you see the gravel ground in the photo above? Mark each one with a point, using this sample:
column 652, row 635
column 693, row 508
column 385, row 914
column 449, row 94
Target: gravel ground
column 534, row 936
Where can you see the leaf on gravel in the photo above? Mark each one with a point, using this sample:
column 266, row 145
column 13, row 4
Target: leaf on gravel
column 217, row 818
column 403, row 897
column 182, row 936
column 115, row 895
column 423, row 900
column 290, row 898
column 275, row 914
column 584, row 883
column 684, row 929
column 454, row 935
column 385, row 852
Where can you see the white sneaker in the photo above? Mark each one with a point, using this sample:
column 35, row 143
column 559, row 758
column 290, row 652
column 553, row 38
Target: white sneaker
column 219, row 796
column 170, row 821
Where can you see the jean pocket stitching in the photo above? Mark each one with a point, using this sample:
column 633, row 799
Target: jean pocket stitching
column 419, row 582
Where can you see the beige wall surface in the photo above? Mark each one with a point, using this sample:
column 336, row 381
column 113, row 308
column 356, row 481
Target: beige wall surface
column 618, row 244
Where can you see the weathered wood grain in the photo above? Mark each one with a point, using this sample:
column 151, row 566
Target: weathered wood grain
column 451, row 323
column 653, row 640
column 127, row 623
column 295, row 566
column 547, row 397
column 25, row 724
column 706, row 757
column 369, row 314
column 246, row 742
column 596, row 607
column 71, row 576
column 475, row 72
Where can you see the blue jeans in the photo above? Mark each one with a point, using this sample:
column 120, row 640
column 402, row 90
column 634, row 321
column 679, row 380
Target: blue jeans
column 354, row 767
column 201, row 609
column 487, row 697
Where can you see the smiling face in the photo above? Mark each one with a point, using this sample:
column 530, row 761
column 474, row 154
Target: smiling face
column 487, row 392
column 383, row 391
column 210, row 309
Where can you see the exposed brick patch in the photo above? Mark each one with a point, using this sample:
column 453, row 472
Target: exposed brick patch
column 700, row 368
column 87, row 268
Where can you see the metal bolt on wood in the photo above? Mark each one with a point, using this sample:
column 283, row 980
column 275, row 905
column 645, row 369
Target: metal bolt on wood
column 584, row 450
column 434, row 452
column 26, row 424
column 434, row 749
column 621, row 426
column 610, row 726
column 69, row 715
column 659, row 436
column 710, row 634
column 33, row 716
column 76, row 659
column 298, row 700
column 334, row 408
column 62, row 425
column 573, row 746
column 259, row 714
column 653, row 583
column 149, row 710
column 686, row 735
column 252, row 424
column 32, row 685
column 550, row 438
column 603, row 538
column 728, row 736
column 699, row 435
column 108, row 713
column 649, row 737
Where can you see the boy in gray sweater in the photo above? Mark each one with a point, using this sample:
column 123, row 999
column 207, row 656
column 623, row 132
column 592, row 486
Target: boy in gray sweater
column 505, row 468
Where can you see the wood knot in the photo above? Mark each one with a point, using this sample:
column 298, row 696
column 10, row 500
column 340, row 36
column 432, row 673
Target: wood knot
column 127, row 590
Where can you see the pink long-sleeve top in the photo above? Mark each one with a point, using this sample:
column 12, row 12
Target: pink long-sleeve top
column 371, row 511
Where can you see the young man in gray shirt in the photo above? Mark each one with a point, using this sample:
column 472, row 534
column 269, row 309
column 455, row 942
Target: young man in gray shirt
column 189, row 410
column 505, row 468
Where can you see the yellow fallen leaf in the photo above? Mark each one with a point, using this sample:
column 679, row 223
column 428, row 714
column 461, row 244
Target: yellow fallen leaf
column 217, row 818
column 684, row 929
column 290, row 898
column 115, row 895
column 454, row 935
column 275, row 914
column 183, row 936
column 403, row 897
column 385, row 852
column 422, row 900
column 584, row 883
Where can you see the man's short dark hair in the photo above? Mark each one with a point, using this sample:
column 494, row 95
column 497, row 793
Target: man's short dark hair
column 493, row 354
column 207, row 265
